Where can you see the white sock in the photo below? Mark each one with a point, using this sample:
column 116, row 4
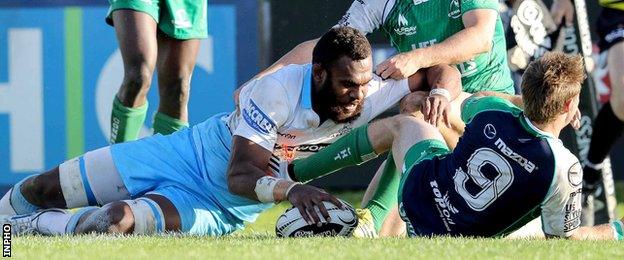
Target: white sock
column 53, row 222
column 5, row 205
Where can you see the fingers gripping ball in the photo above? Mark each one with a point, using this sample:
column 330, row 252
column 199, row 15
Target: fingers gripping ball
column 342, row 223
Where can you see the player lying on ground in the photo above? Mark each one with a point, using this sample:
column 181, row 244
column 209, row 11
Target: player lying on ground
column 213, row 177
column 508, row 168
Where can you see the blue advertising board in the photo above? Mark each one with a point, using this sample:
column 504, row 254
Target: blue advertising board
column 60, row 68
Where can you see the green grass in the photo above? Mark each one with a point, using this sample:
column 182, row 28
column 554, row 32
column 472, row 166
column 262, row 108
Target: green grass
column 257, row 241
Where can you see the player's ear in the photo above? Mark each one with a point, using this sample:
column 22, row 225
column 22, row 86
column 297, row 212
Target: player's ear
column 318, row 73
column 567, row 106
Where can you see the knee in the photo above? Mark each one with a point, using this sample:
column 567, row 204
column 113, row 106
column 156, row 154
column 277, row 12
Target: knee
column 136, row 83
column 44, row 191
column 175, row 88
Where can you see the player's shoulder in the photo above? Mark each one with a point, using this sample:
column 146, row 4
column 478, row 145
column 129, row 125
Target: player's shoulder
column 286, row 82
column 290, row 74
column 475, row 105
column 567, row 165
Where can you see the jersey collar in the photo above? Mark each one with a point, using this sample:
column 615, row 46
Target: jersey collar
column 534, row 128
column 306, row 88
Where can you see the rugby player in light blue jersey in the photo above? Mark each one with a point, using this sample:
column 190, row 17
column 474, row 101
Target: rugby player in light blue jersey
column 213, row 177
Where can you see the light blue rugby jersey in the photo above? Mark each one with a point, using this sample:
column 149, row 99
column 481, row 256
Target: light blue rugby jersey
column 276, row 113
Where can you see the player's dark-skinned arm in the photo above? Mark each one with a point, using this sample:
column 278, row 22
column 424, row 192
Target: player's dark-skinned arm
column 474, row 39
column 249, row 163
column 434, row 104
column 301, row 54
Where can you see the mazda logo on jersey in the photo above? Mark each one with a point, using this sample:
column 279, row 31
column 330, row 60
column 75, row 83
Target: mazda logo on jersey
column 489, row 131
column 257, row 119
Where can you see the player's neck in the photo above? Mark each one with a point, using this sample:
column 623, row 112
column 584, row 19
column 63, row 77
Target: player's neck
column 553, row 128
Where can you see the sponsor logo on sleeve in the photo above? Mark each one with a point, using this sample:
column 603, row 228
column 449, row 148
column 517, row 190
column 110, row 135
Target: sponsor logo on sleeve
column 572, row 214
column 257, row 119
column 575, row 175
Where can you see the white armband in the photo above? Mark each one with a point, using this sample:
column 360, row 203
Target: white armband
column 271, row 189
column 442, row 92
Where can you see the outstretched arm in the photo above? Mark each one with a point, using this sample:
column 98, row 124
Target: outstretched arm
column 474, row 39
column 301, row 54
column 611, row 231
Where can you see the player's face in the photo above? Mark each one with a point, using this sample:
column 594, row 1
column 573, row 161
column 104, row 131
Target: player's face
column 344, row 88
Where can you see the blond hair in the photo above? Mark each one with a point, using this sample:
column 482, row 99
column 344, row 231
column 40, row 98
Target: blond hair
column 548, row 83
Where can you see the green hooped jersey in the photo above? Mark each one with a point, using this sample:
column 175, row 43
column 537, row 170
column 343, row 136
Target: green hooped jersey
column 411, row 24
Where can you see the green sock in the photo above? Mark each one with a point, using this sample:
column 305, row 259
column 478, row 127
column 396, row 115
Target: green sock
column 386, row 195
column 351, row 149
column 126, row 122
column 164, row 124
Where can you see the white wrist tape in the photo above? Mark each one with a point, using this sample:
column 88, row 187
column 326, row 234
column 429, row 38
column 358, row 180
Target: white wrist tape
column 271, row 189
column 442, row 92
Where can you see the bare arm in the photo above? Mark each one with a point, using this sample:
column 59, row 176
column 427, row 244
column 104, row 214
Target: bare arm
column 434, row 105
column 248, row 163
column 474, row 39
column 301, row 54
column 445, row 77
column 600, row 232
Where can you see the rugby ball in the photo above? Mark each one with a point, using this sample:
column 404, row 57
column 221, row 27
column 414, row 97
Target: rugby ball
column 292, row 224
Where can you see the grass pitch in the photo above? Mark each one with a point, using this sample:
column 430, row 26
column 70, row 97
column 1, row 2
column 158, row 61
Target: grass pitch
column 258, row 241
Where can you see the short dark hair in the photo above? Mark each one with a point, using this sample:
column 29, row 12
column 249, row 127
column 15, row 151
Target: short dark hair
column 338, row 42
column 548, row 82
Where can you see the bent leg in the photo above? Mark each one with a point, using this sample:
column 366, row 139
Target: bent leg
column 136, row 33
column 176, row 60
column 406, row 131
column 88, row 180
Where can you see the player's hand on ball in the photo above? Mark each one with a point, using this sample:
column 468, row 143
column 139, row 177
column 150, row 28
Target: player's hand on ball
column 436, row 108
column 305, row 198
column 399, row 66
